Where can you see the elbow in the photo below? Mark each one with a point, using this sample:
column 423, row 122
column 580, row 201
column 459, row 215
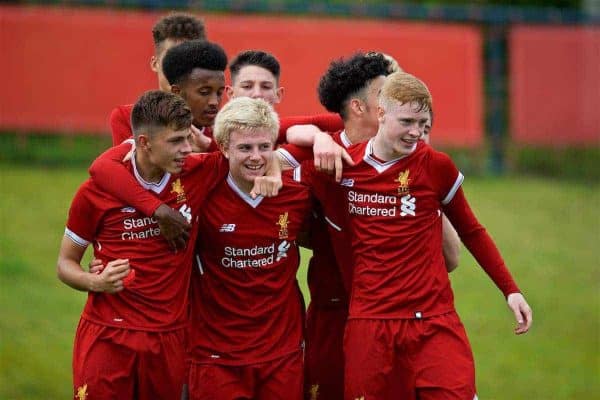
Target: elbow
column 451, row 259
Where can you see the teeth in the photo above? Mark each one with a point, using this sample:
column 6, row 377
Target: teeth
column 253, row 167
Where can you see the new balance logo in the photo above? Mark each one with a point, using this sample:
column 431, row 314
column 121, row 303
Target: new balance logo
column 282, row 250
column 347, row 182
column 227, row 228
column 128, row 209
column 186, row 211
column 408, row 206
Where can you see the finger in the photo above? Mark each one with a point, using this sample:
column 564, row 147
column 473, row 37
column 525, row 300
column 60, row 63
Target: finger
column 347, row 157
column 338, row 169
column 331, row 163
column 317, row 162
column 181, row 243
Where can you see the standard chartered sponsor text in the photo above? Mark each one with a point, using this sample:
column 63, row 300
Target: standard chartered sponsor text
column 131, row 223
column 377, row 204
column 237, row 257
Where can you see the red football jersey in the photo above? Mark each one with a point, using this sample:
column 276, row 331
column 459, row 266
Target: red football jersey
column 157, row 296
column 246, row 306
column 395, row 212
column 329, row 273
column 120, row 124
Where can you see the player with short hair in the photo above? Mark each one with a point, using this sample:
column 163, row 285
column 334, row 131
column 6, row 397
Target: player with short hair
column 130, row 339
column 168, row 31
column 403, row 332
column 256, row 74
column 247, row 328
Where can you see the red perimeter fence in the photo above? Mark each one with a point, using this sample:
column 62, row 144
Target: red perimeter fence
column 64, row 69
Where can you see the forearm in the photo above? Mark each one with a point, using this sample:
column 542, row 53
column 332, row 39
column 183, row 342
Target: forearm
column 479, row 243
column 69, row 269
column 110, row 174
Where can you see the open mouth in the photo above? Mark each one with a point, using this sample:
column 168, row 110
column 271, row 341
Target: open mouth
column 254, row 167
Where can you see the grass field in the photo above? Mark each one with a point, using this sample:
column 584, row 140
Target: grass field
column 548, row 231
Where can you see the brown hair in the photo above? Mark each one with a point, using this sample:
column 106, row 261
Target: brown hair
column 156, row 110
column 179, row 27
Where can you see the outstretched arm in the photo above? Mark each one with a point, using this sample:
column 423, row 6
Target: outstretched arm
column 327, row 154
column 481, row 245
column 110, row 173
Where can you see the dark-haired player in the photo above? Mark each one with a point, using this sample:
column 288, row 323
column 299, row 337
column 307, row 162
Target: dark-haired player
column 168, row 31
column 256, row 74
column 196, row 71
column 130, row 339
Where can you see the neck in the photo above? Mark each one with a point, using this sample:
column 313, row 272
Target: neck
column 357, row 131
column 148, row 171
column 381, row 151
column 244, row 186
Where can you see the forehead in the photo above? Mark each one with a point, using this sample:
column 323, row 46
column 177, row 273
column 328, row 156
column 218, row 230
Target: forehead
column 408, row 110
column 251, row 136
column 165, row 45
column 255, row 73
column 205, row 77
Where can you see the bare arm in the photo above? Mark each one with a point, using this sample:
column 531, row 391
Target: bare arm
column 450, row 244
column 328, row 155
column 70, row 272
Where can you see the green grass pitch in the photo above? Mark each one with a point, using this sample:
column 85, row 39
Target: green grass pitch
column 548, row 231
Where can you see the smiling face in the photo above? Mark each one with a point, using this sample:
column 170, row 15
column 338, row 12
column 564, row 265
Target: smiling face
column 255, row 82
column 202, row 90
column 400, row 127
column 249, row 153
column 163, row 151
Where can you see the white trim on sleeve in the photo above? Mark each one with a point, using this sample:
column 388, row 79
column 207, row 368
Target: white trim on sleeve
column 288, row 157
column 459, row 180
column 298, row 174
column 78, row 240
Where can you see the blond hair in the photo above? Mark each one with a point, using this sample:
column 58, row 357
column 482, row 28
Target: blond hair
column 244, row 113
column 405, row 88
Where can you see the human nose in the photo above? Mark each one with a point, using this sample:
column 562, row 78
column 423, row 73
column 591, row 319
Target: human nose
column 255, row 153
column 186, row 147
column 416, row 131
column 256, row 92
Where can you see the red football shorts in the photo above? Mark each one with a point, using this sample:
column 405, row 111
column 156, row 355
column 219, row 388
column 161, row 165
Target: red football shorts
column 279, row 379
column 324, row 355
column 115, row 363
column 427, row 358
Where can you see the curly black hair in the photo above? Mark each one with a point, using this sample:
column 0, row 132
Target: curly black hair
column 346, row 77
column 178, row 26
column 181, row 60
column 257, row 58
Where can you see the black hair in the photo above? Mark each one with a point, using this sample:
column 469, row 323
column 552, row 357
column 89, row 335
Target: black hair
column 181, row 60
column 255, row 57
column 346, row 77
column 178, row 26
